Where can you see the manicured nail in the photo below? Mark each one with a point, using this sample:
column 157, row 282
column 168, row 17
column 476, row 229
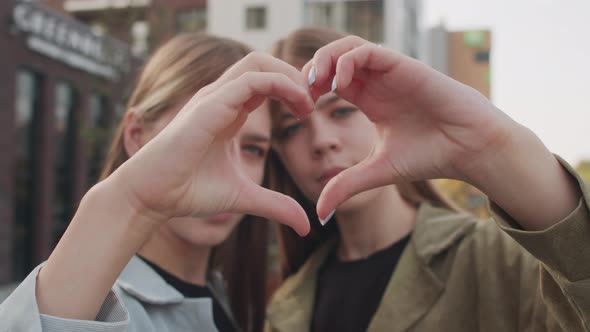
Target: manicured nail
column 311, row 76
column 325, row 221
column 333, row 84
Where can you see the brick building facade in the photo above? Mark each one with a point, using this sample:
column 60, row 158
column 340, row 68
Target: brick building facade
column 61, row 87
column 149, row 22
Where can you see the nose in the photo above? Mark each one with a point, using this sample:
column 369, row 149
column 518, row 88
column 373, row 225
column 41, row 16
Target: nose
column 324, row 139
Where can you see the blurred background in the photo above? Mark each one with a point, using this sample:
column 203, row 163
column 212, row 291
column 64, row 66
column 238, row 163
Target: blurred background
column 67, row 67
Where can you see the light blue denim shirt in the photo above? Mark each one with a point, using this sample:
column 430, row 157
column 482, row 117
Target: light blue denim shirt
column 140, row 300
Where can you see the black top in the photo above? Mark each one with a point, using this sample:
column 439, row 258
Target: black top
column 348, row 293
column 188, row 290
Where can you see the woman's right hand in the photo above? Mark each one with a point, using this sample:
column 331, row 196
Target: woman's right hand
column 192, row 167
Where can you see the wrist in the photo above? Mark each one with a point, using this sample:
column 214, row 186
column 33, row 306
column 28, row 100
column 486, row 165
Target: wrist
column 111, row 197
column 526, row 180
column 103, row 236
column 501, row 159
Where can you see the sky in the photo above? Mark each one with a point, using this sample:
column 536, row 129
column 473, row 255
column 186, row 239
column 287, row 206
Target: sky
column 540, row 63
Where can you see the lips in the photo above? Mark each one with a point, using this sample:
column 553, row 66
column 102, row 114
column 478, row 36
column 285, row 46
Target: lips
column 329, row 174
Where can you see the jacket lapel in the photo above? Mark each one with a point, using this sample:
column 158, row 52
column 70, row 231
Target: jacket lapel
column 412, row 291
column 292, row 305
column 410, row 294
column 415, row 285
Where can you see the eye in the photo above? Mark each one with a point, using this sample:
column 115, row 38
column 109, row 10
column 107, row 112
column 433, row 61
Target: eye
column 288, row 132
column 254, row 150
column 342, row 112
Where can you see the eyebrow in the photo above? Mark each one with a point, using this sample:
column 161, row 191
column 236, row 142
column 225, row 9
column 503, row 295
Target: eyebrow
column 256, row 138
column 286, row 115
column 329, row 101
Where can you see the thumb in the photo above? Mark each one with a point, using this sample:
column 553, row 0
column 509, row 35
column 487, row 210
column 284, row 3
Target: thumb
column 366, row 175
column 274, row 206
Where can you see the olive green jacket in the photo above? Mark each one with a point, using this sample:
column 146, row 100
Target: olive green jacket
column 460, row 274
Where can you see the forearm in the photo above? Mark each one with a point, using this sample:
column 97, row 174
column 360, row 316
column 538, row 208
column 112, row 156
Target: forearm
column 526, row 180
column 104, row 234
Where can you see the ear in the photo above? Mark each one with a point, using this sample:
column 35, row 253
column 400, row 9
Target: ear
column 133, row 132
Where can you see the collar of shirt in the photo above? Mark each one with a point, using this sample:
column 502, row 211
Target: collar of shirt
column 142, row 282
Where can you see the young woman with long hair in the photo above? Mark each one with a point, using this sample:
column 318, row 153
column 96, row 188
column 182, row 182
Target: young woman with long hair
column 184, row 172
column 397, row 255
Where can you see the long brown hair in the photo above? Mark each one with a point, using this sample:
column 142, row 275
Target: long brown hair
column 298, row 48
column 176, row 71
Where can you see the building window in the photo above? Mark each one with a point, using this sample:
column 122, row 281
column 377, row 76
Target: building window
column 255, row 18
column 482, row 57
column 99, row 29
column 191, row 20
column 363, row 18
column 411, row 37
column 96, row 133
column 476, row 38
column 26, row 121
column 140, row 32
column 322, row 15
column 65, row 124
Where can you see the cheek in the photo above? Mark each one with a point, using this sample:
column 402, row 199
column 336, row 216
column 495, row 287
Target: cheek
column 361, row 138
column 300, row 169
column 255, row 171
column 153, row 128
column 294, row 157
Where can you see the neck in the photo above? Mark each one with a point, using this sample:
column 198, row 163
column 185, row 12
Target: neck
column 377, row 225
column 178, row 257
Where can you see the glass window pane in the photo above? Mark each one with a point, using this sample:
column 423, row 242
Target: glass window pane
column 191, row 20
column 256, row 17
column 411, row 28
column 65, row 138
column 140, row 33
column 27, row 101
column 321, row 15
column 365, row 19
column 482, row 57
column 97, row 136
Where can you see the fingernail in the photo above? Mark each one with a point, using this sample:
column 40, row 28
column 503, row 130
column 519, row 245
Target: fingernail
column 325, row 221
column 333, row 84
column 311, row 77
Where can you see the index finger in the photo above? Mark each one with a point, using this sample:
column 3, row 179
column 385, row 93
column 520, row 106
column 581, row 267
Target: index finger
column 260, row 62
column 325, row 59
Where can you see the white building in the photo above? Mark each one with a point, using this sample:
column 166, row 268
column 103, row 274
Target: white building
column 259, row 23
column 393, row 23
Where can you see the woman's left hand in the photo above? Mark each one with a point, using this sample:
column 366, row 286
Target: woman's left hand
column 429, row 126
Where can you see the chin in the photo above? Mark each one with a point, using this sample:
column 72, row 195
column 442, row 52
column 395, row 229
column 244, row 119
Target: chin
column 359, row 201
column 203, row 232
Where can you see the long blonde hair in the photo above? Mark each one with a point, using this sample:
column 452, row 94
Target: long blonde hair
column 298, row 48
column 176, row 71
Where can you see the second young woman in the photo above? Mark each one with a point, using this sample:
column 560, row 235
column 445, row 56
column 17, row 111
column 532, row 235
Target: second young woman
column 398, row 256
